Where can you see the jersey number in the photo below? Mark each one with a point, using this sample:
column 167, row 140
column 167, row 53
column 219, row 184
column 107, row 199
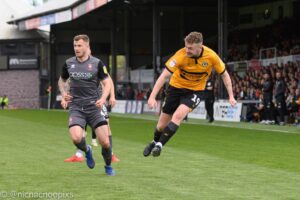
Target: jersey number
column 196, row 99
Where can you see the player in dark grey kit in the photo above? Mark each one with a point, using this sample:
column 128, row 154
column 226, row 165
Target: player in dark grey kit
column 78, row 156
column 85, row 73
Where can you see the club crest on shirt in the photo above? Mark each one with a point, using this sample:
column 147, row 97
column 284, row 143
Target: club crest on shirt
column 72, row 66
column 90, row 67
column 204, row 64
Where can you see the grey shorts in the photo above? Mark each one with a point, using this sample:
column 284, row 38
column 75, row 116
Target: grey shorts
column 83, row 115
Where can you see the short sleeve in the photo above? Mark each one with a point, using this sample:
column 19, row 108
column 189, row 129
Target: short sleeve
column 102, row 71
column 64, row 72
column 218, row 64
column 174, row 62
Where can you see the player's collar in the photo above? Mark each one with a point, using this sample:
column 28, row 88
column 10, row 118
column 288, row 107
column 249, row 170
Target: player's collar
column 200, row 53
column 84, row 60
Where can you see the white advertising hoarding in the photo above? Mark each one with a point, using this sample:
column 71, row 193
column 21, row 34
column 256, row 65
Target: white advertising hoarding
column 120, row 107
column 223, row 111
column 199, row 112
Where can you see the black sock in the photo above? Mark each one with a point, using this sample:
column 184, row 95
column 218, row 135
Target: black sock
column 81, row 145
column 110, row 142
column 93, row 135
column 168, row 133
column 157, row 135
column 106, row 153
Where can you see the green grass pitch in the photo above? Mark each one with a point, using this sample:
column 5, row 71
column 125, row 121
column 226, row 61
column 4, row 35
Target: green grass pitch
column 202, row 161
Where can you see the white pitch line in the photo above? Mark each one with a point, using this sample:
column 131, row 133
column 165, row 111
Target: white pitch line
column 150, row 118
column 205, row 124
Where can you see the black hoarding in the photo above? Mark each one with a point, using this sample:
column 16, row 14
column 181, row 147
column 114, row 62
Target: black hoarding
column 23, row 62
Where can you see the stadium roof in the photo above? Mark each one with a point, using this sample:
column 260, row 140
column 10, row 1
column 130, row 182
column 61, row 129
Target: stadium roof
column 58, row 11
column 8, row 10
column 49, row 7
column 54, row 12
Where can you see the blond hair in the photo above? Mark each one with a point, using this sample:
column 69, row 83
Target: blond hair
column 82, row 37
column 194, row 37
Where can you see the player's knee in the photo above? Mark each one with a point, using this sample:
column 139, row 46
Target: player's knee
column 177, row 118
column 76, row 140
column 105, row 144
column 160, row 127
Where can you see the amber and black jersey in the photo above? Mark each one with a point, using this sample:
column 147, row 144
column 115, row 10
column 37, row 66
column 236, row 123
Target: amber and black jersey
column 192, row 73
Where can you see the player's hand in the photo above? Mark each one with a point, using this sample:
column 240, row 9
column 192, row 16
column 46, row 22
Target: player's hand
column 64, row 104
column 99, row 103
column 67, row 97
column 232, row 101
column 112, row 101
column 152, row 103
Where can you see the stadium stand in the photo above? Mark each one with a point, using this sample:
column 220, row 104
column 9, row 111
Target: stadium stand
column 245, row 44
column 259, row 51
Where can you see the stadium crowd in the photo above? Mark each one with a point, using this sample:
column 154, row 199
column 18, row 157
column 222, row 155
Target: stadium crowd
column 246, row 44
column 250, row 87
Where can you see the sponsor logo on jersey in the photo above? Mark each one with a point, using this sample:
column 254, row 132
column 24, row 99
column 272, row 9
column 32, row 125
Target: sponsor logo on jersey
column 90, row 67
column 72, row 66
column 81, row 75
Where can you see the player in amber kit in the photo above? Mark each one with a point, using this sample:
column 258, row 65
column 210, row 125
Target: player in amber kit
column 189, row 70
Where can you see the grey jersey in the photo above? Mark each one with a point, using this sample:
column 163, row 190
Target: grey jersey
column 100, row 90
column 85, row 78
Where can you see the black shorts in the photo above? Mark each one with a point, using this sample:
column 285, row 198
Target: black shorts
column 177, row 96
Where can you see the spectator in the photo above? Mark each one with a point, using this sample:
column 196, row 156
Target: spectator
column 246, row 44
column 280, row 97
column 130, row 94
column 209, row 99
column 141, row 95
column 292, row 106
column 267, row 100
column 148, row 93
column 4, row 101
